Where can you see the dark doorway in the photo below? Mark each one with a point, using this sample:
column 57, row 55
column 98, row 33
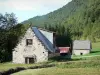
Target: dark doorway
column 29, row 60
column 26, row 60
column 81, row 53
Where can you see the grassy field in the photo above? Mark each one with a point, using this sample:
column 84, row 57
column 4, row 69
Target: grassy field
column 60, row 71
column 76, row 66
column 6, row 66
column 96, row 44
column 88, row 66
column 96, row 48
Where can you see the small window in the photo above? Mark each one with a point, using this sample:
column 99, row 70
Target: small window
column 29, row 41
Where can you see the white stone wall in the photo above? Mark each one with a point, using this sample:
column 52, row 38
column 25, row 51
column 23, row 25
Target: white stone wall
column 23, row 50
column 78, row 52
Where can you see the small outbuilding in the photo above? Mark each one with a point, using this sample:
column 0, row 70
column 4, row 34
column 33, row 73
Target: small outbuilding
column 81, row 47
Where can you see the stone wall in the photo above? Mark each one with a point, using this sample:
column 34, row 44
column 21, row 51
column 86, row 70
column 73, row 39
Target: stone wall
column 37, row 48
column 79, row 52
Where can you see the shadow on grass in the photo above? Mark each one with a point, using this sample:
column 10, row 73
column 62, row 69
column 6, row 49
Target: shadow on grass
column 11, row 71
column 18, row 69
column 95, row 51
column 97, row 41
column 63, row 59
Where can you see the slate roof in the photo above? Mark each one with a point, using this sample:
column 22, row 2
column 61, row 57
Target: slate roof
column 81, row 44
column 43, row 39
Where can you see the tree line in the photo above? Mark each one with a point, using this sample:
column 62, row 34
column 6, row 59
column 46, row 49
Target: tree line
column 10, row 32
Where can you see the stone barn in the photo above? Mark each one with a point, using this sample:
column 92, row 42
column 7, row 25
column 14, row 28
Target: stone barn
column 36, row 46
column 81, row 47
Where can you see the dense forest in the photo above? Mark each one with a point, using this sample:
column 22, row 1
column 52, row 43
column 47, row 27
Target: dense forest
column 81, row 18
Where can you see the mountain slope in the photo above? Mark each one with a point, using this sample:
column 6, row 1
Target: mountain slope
column 82, row 17
column 57, row 15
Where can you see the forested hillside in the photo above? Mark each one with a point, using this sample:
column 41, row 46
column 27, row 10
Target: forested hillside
column 80, row 17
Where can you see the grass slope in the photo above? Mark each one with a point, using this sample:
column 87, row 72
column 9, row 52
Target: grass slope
column 89, row 66
column 77, row 66
column 60, row 71
column 95, row 48
column 8, row 65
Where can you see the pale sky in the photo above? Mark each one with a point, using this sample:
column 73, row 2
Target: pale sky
column 25, row 9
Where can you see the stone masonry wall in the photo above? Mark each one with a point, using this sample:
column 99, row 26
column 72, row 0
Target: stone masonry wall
column 22, row 50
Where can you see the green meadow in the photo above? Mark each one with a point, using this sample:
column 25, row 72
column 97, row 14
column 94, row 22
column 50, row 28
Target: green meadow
column 76, row 66
column 87, row 66
column 60, row 71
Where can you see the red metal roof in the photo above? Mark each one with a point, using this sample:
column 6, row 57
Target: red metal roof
column 64, row 49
